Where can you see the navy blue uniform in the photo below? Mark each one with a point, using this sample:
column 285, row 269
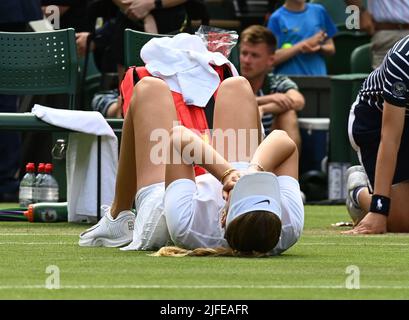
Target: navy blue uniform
column 390, row 83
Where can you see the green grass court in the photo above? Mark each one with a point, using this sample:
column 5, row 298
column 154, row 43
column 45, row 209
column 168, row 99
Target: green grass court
column 315, row 268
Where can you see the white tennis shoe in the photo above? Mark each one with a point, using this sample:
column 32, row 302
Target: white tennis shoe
column 109, row 232
column 355, row 177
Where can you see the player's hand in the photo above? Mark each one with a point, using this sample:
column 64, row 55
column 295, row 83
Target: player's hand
column 229, row 182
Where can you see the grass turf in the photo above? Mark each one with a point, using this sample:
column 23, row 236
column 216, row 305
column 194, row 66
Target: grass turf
column 315, row 268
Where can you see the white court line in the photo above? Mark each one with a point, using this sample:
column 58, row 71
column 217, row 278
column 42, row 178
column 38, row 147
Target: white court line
column 354, row 244
column 199, row 287
column 36, row 243
column 299, row 244
column 40, row 234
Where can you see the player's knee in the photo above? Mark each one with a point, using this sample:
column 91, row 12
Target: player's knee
column 235, row 83
column 284, row 138
column 149, row 85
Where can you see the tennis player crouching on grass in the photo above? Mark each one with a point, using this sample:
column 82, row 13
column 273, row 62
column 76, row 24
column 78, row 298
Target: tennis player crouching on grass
column 264, row 213
column 379, row 132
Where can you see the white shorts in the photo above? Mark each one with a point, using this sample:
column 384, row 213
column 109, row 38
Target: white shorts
column 150, row 231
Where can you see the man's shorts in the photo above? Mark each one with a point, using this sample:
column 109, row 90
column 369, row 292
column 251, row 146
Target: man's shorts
column 364, row 130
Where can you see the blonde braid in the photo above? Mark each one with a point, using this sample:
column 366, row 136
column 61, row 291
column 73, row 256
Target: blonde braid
column 173, row 251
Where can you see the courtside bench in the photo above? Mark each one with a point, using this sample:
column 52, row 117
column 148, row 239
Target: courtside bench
column 29, row 122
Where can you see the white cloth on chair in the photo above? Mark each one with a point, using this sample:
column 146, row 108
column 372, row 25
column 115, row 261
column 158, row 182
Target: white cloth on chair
column 186, row 71
column 81, row 159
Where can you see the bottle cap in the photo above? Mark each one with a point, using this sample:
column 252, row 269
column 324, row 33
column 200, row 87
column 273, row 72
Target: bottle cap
column 48, row 167
column 41, row 167
column 30, row 167
column 29, row 214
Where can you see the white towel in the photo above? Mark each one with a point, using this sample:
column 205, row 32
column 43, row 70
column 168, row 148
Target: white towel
column 183, row 61
column 81, row 159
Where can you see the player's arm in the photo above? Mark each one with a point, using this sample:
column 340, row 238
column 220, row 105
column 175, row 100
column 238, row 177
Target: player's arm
column 186, row 149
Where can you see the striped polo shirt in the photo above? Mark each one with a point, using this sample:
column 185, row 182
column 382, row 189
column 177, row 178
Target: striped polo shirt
column 274, row 83
column 394, row 11
column 390, row 81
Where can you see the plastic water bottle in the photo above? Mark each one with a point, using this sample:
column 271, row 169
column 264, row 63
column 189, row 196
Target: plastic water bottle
column 39, row 177
column 48, row 186
column 27, row 186
column 47, row 212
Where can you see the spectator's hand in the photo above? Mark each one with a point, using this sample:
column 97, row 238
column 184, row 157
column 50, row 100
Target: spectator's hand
column 282, row 100
column 317, row 39
column 81, row 41
column 307, row 48
column 366, row 22
column 139, row 9
column 149, row 24
column 372, row 223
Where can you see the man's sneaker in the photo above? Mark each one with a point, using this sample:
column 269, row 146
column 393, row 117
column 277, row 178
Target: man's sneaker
column 355, row 177
column 109, row 232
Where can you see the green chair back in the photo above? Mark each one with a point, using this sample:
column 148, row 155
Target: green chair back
column 361, row 59
column 335, row 9
column 134, row 41
column 345, row 42
column 39, row 63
